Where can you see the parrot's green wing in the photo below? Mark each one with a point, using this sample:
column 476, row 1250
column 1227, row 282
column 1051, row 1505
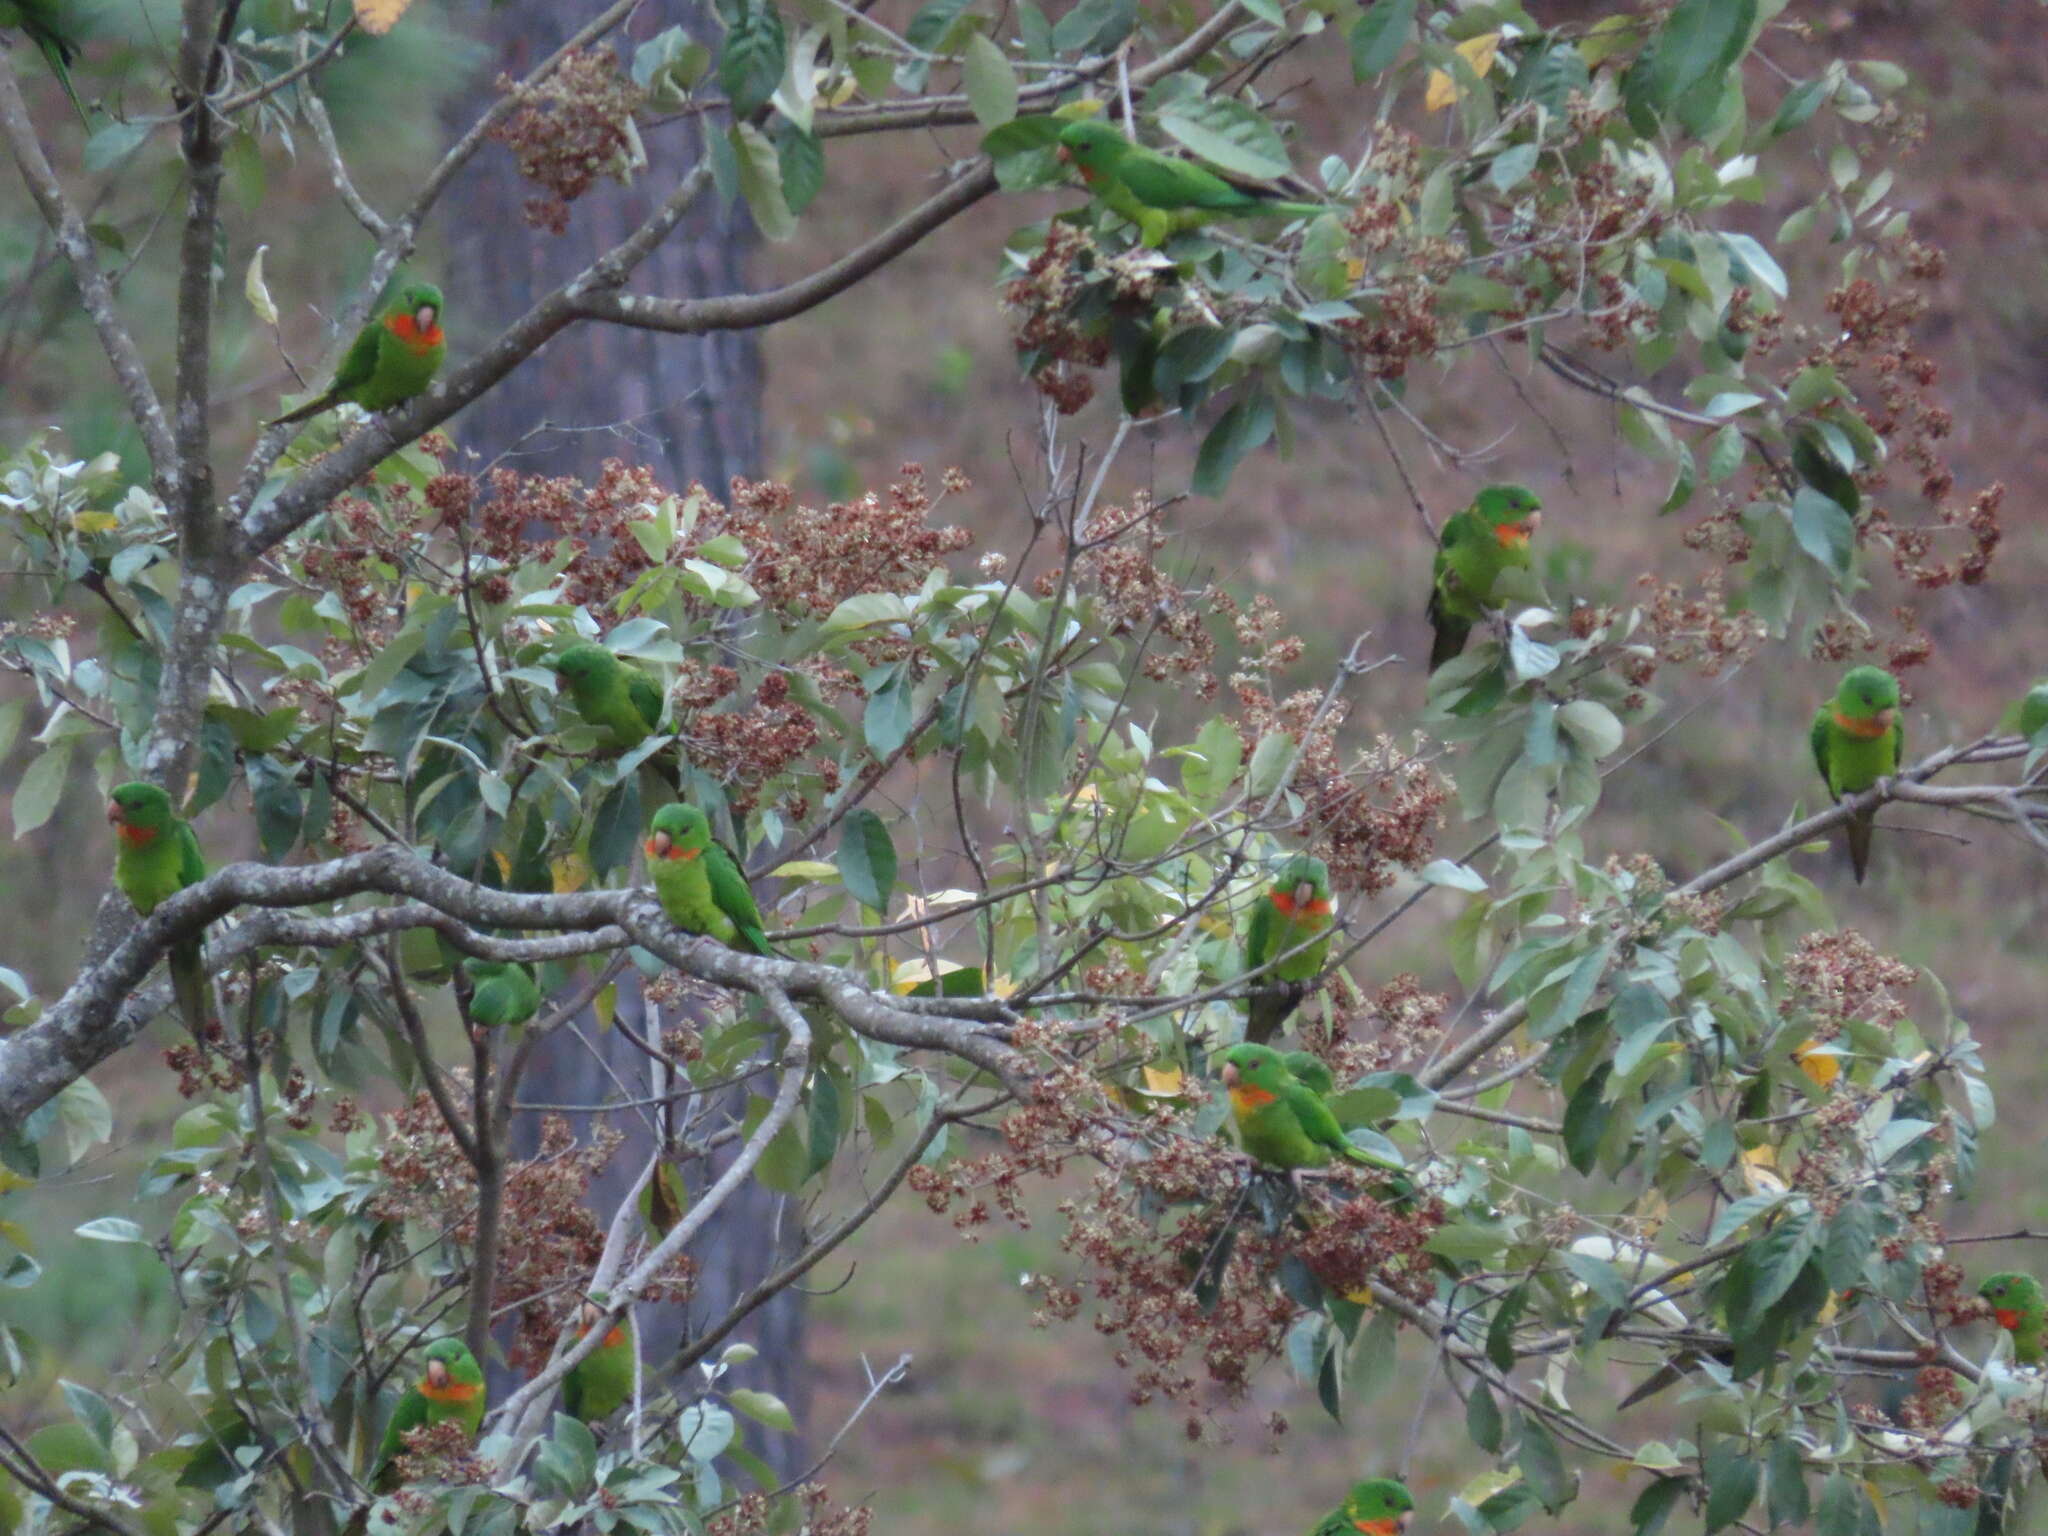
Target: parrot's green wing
column 1165, row 182
column 409, row 1415
column 359, row 362
column 1898, row 739
column 191, row 862
column 1818, row 736
column 1258, row 934
column 1315, row 1118
column 735, row 898
column 645, row 694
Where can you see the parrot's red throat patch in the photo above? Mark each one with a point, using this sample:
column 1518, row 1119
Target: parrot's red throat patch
column 615, row 1338
column 1244, row 1098
column 1378, row 1527
column 451, row 1391
column 409, row 331
column 1864, row 729
column 1515, row 535
column 2008, row 1319
column 1285, row 904
column 134, row 836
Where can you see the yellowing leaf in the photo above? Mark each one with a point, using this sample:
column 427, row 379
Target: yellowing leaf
column 1163, row 1082
column 1758, row 1174
column 256, row 291
column 1765, row 1156
column 1360, row 1297
column 915, row 973
column 571, row 872
column 804, row 869
column 95, row 522
column 1823, row 1067
column 1479, row 52
column 377, row 17
column 1002, row 984
column 1827, row 1312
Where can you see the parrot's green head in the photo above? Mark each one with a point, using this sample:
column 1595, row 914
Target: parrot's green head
column 1302, row 888
column 1092, row 148
column 2034, row 710
column 449, row 1373
column 678, row 831
column 585, row 666
column 421, row 304
column 481, row 971
column 1379, row 1506
column 1253, row 1075
column 1867, row 701
column 139, row 813
column 1513, row 512
column 2015, row 1298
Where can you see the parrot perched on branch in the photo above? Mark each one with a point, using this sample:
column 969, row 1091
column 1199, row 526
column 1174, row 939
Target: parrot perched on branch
column 700, row 883
column 1293, row 913
column 1281, row 1122
column 1857, row 739
column 1488, row 537
column 617, row 696
column 505, row 994
column 392, row 359
column 1379, row 1506
column 2021, row 1310
column 156, row 855
column 1158, row 193
column 603, row 1379
column 450, row 1388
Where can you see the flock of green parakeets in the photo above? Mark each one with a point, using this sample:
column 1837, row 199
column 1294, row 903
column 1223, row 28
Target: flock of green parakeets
column 1277, row 1101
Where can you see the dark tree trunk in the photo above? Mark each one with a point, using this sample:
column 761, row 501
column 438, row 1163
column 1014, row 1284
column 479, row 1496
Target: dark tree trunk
column 691, row 408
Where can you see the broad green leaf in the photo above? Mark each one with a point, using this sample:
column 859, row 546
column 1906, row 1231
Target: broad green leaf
column 1542, row 1464
column 762, row 1408
column 1227, row 133
column 760, row 173
column 41, row 787
column 1824, row 530
column 110, row 1229
column 756, row 52
column 1379, row 35
column 1269, row 760
column 991, row 82
column 867, row 859
column 1245, row 426
column 1731, row 1475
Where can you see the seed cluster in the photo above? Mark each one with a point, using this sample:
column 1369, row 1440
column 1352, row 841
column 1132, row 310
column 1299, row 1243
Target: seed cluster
column 568, row 130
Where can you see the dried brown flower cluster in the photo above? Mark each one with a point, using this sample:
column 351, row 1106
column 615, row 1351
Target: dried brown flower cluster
column 756, row 1514
column 1182, row 1272
column 438, row 1453
column 1365, row 817
column 559, row 1238
column 1063, row 352
column 1839, row 977
column 1118, row 565
column 1692, row 629
column 1399, row 1022
column 570, row 129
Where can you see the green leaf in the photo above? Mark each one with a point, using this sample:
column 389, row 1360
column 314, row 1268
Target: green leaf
column 114, row 143
column 1245, row 426
column 1775, row 1259
column 762, row 1408
column 1227, row 133
column 1785, row 1484
column 1211, row 764
column 756, row 53
column 704, row 1430
column 1512, row 166
column 760, row 170
column 1654, row 1504
column 1800, row 103
column 1269, row 760
column 1456, row 877
column 1094, row 26
column 1378, row 36
column 1586, row 1118
column 991, row 82
column 41, row 787
column 1731, row 1475
column 1500, row 1333
column 869, row 608
column 1482, row 1418
column 1592, row 725
column 827, row 1121
column 928, row 28
column 802, row 159
column 1824, row 530
column 867, row 859
column 92, row 1411
column 1026, row 153
column 1700, row 41
column 110, row 1229
column 1840, row 1512
column 887, row 720
column 1543, row 1466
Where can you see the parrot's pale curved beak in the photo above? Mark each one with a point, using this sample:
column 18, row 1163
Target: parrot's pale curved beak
column 659, row 845
column 1529, row 524
column 1304, row 893
column 1064, row 155
column 114, row 812
column 592, row 1312
column 1230, row 1074
column 1883, row 719
column 437, row 1374
column 425, row 316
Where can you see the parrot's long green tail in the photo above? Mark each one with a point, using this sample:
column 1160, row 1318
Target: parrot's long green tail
column 311, row 408
column 1859, row 831
column 188, row 986
column 1269, row 1012
column 59, row 57
column 1449, row 641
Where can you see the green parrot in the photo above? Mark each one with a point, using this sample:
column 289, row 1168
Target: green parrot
column 1379, row 1506
column 156, row 855
column 450, row 1388
column 1281, row 1122
column 1488, row 537
column 1857, row 738
column 2017, row 1303
column 392, row 359
column 42, row 23
column 1294, row 911
column 504, row 994
column 701, row 886
column 1158, row 193
column 613, row 694
column 602, row 1380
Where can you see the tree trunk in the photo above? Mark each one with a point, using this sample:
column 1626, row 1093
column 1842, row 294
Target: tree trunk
column 689, row 406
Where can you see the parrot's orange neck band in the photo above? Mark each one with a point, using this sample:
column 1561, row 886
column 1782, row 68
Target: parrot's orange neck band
column 407, row 330
column 615, row 1338
column 2008, row 1319
column 1378, row 1527
column 454, row 1392
column 671, row 852
column 1244, row 1098
column 135, row 837
column 1512, row 535
column 1864, row 729
column 1285, row 904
